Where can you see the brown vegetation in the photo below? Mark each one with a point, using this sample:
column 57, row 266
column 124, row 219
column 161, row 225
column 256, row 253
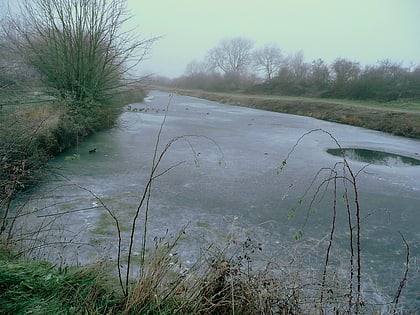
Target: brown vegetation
column 399, row 122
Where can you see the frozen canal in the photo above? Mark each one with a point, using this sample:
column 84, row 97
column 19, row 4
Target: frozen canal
column 228, row 179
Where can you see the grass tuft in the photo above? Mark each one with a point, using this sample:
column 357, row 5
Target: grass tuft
column 37, row 287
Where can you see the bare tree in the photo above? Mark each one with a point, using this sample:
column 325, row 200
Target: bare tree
column 320, row 74
column 231, row 56
column 77, row 46
column 298, row 67
column 345, row 72
column 195, row 68
column 268, row 60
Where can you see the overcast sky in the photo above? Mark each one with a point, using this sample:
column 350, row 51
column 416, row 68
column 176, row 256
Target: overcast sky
column 359, row 30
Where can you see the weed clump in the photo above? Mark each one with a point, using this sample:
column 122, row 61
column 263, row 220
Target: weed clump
column 225, row 280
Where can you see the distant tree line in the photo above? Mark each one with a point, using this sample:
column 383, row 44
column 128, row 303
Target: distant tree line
column 234, row 64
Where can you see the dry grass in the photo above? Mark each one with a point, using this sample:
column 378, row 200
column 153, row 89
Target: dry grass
column 44, row 115
column 219, row 283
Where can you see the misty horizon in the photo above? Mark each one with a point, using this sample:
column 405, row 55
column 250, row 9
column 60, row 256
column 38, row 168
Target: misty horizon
column 359, row 31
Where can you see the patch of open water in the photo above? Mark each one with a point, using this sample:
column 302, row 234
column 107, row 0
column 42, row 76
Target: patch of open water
column 375, row 157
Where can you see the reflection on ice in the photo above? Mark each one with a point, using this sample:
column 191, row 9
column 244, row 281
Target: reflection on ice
column 375, row 157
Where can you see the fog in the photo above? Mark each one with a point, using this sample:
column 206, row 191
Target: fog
column 362, row 31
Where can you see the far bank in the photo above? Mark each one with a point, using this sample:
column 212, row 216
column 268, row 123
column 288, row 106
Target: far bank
column 398, row 118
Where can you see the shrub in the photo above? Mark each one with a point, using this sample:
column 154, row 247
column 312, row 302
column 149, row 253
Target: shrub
column 80, row 53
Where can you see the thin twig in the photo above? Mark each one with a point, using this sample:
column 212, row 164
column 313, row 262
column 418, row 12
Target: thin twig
column 327, row 257
column 404, row 278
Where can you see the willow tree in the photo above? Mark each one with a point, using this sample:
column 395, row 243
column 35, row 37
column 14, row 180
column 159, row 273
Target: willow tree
column 79, row 49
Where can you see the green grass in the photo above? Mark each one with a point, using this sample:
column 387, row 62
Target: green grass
column 37, row 287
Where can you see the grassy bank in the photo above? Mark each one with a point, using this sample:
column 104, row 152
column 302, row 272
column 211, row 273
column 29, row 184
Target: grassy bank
column 216, row 285
column 224, row 280
column 34, row 127
column 37, row 287
column 398, row 118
